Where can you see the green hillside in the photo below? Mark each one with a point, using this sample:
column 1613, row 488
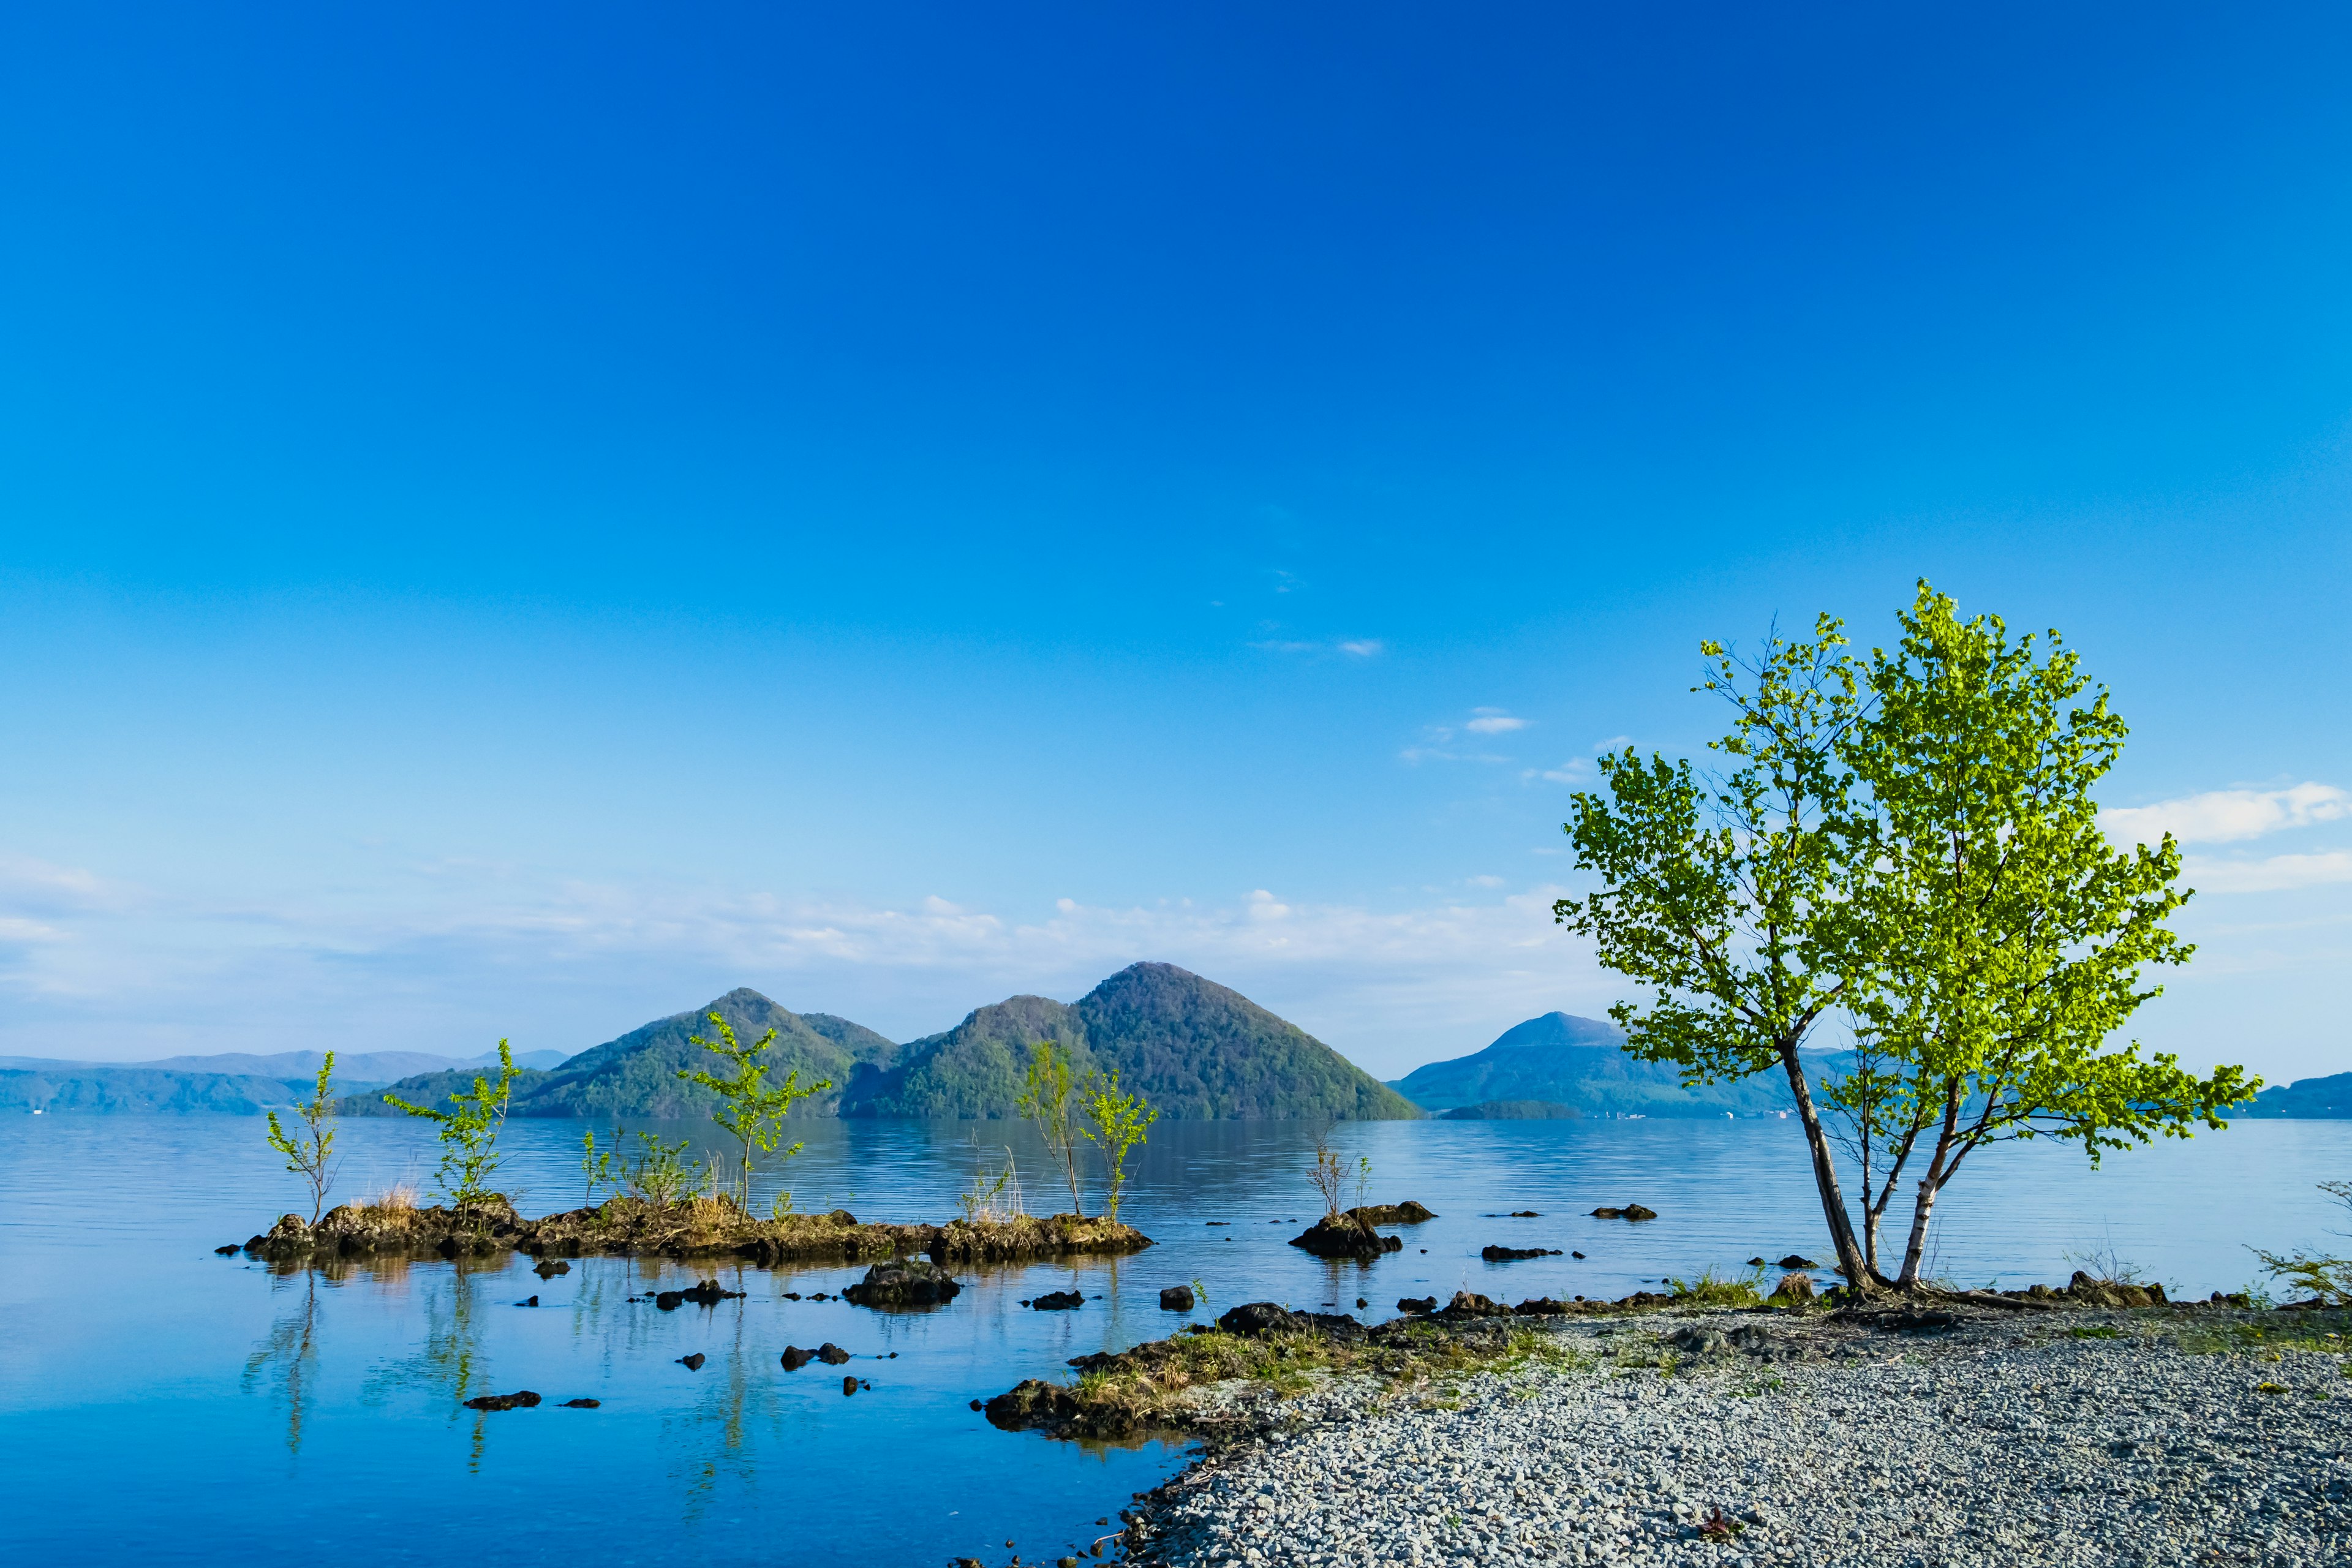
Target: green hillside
column 973, row 1071
column 636, row 1075
column 2320, row 1098
column 1193, row 1048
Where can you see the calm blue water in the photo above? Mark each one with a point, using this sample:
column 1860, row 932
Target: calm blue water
column 159, row 1403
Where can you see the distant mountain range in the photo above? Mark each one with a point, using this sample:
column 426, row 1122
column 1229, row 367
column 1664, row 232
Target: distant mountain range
column 236, row 1083
column 1196, row 1050
column 1574, row 1065
column 2327, row 1099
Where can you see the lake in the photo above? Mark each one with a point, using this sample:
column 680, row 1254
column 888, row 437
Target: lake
column 161, row 1404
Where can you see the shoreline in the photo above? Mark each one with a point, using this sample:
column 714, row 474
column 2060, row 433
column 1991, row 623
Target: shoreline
column 1729, row 1437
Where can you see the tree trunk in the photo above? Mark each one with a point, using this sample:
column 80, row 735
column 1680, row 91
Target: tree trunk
column 1929, row 1185
column 1858, row 1274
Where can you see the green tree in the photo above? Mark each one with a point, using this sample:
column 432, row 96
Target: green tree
column 310, row 1152
column 2001, row 939
column 1728, row 896
column 468, row 1131
column 750, row 1110
column 1116, row 1122
column 1046, row 1102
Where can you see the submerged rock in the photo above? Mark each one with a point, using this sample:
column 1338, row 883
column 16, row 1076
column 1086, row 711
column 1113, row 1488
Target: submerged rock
column 832, row 1355
column 1505, row 1254
column 1177, row 1299
column 549, row 1268
column 523, row 1400
column 582, row 1403
column 1633, row 1211
column 1417, row 1304
column 1406, row 1213
column 848, row 1386
column 691, row 1362
column 1798, row 1260
column 915, row 1283
column 796, row 1358
column 1344, row 1236
column 1057, row 1301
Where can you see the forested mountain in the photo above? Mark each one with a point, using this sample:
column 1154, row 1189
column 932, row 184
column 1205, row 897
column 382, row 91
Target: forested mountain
column 1580, row 1063
column 636, row 1075
column 83, row 1089
column 1195, row 1049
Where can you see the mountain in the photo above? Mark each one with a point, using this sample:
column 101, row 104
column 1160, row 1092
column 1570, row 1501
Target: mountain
column 2327, row 1099
column 1580, row 1063
column 636, row 1075
column 82, row 1088
column 1193, row 1048
column 1513, row 1110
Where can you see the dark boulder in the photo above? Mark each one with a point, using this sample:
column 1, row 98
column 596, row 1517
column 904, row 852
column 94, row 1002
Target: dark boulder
column 848, row 1386
column 691, row 1362
column 1057, row 1301
column 1406, row 1213
column 582, row 1403
column 1417, row 1304
column 796, row 1358
column 705, row 1293
column 523, row 1401
column 1793, row 1289
column 549, row 1268
column 1258, row 1319
column 1505, row 1254
column 1797, row 1260
column 1470, row 1304
column 1177, row 1299
column 528, row 1301
column 1633, row 1211
column 1343, row 1236
column 842, row 1216
column 1525, row 1214
column 918, row 1282
column 832, row 1355
column 227, row 1251
column 1542, row 1307
column 1032, row 1405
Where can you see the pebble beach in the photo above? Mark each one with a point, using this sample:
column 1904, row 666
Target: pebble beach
column 2176, row 1436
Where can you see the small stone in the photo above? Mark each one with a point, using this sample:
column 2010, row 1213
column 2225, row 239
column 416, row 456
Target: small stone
column 848, row 1386
column 583, row 1404
column 691, row 1362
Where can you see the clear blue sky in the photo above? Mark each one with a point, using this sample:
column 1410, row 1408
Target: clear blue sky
column 518, row 519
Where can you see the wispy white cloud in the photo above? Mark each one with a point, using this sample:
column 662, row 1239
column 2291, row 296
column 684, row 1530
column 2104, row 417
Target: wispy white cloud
column 2227, row 816
column 1576, row 770
column 2273, row 874
column 1354, row 647
column 1490, row 722
column 1362, row 647
column 570, row 963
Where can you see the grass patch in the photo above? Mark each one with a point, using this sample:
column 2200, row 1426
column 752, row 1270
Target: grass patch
column 2095, row 1332
column 1711, row 1289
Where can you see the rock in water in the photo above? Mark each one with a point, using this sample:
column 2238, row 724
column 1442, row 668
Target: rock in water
column 1417, row 1304
column 691, row 1362
column 1406, row 1213
column 832, row 1355
column 1177, row 1299
column 521, row 1401
column 548, row 1268
column 1793, row 1289
column 227, row 1251
column 917, row 1282
column 1343, row 1236
column 1057, row 1301
column 1794, row 1260
column 1633, row 1211
column 1505, row 1254
column 848, row 1386
column 582, row 1403
column 1470, row 1304
column 1258, row 1319
column 796, row 1358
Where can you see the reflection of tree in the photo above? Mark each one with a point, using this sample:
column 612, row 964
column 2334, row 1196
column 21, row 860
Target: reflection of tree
column 450, row 1362
column 291, row 1347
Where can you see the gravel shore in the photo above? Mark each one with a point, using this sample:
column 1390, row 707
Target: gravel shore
column 2188, row 1436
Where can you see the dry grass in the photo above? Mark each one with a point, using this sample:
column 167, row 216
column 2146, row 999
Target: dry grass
column 399, row 1198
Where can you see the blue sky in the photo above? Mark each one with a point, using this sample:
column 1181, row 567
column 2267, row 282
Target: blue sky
column 517, row 519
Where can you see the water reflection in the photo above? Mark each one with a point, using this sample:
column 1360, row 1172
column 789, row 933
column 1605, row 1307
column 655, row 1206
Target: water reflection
column 291, row 1352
